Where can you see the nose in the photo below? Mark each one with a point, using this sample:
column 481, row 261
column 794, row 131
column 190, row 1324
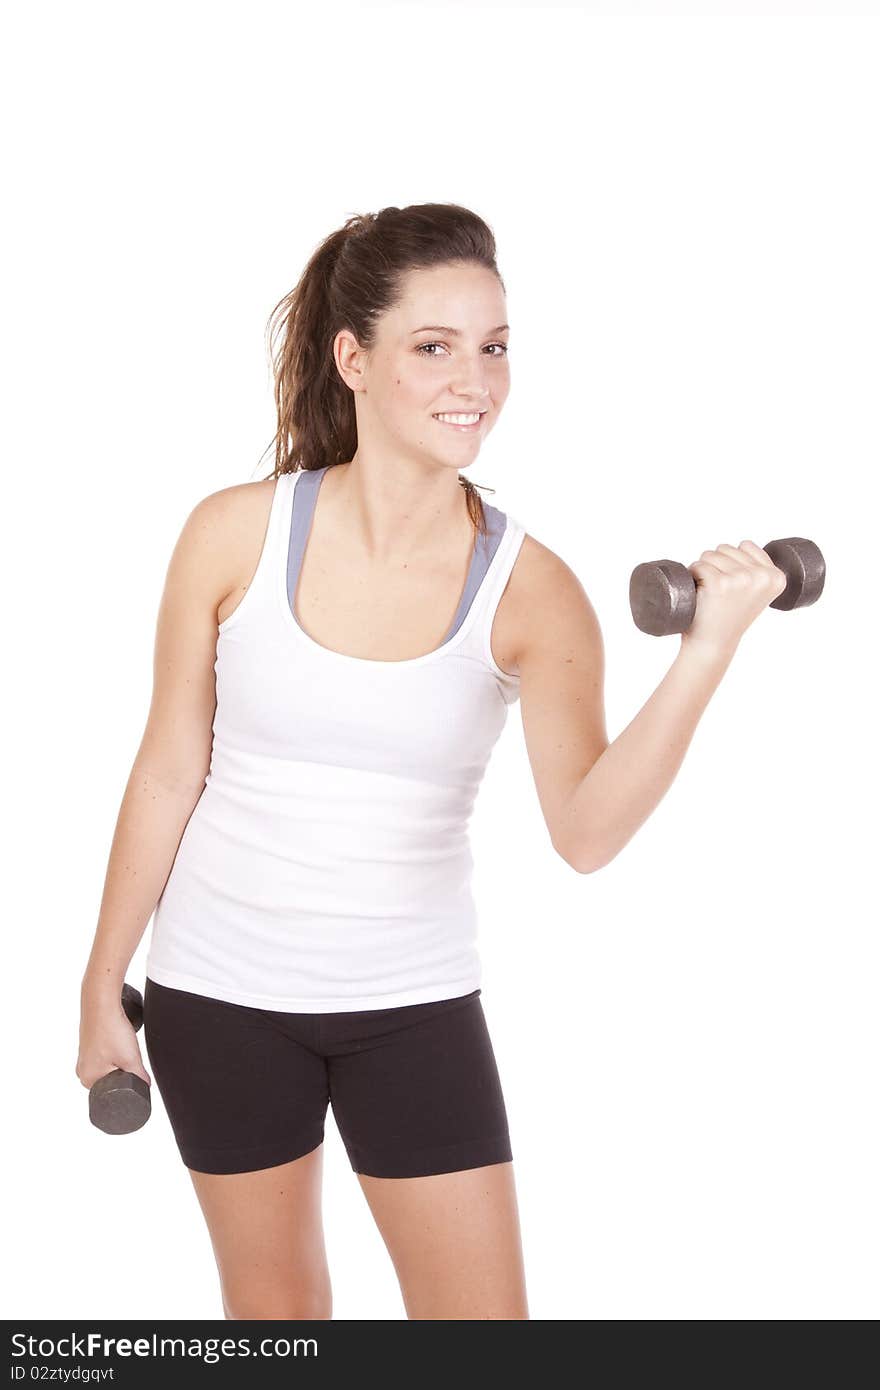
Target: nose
column 470, row 387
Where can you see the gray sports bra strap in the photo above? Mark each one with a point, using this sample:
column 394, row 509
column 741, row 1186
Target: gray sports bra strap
column 304, row 497
column 481, row 559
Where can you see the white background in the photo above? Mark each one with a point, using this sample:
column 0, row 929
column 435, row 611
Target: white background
column 686, row 209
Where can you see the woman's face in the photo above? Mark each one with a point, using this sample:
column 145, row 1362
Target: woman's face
column 442, row 349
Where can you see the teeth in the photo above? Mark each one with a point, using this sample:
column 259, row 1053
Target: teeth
column 459, row 419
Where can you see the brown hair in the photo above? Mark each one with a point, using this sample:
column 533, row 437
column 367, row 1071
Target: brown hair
column 353, row 277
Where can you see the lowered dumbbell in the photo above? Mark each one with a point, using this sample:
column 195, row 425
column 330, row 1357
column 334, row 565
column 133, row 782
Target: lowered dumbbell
column 120, row 1101
column 663, row 595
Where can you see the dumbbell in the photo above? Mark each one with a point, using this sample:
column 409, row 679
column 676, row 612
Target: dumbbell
column 120, row 1101
column 663, row 595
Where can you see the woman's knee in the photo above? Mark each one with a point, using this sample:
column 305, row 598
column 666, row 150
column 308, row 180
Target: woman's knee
column 300, row 1302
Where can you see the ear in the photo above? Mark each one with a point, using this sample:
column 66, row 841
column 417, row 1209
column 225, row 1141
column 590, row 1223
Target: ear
column 350, row 358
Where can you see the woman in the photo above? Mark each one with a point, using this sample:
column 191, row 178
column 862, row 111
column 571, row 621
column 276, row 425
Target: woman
column 337, row 649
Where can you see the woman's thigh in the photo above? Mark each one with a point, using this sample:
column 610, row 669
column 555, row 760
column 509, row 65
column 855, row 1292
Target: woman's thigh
column 415, row 1090
column 418, row 1100
column 455, row 1242
column 243, row 1089
column 246, row 1096
column 268, row 1239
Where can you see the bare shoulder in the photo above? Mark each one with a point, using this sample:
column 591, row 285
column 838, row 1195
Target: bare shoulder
column 239, row 506
column 225, row 532
column 231, row 511
column 545, row 605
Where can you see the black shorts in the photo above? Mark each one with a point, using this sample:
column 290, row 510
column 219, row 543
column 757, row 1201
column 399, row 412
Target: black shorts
column 415, row 1089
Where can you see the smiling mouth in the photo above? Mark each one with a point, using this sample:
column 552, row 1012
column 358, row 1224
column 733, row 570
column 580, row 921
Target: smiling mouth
column 457, row 424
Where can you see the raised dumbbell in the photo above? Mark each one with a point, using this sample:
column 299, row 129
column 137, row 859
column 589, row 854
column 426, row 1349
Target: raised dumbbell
column 120, row 1101
column 663, row 595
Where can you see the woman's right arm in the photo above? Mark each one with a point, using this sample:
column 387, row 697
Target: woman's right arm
column 166, row 780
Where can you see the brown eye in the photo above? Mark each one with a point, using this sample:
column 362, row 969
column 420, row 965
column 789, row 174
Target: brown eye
column 422, row 349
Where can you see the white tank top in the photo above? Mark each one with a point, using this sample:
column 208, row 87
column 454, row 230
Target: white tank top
column 327, row 864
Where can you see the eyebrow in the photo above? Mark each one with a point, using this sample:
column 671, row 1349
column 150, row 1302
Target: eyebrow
column 453, row 332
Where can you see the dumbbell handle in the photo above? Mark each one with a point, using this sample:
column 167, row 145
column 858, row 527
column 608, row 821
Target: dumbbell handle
column 663, row 595
column 120, row 1101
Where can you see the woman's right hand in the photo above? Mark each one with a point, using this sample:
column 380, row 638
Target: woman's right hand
column 107, row 1040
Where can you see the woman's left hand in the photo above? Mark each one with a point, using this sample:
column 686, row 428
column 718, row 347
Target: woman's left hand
column 734, row 584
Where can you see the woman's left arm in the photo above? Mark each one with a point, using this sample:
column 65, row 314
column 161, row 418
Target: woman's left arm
column 560, row 658
column 594, row 794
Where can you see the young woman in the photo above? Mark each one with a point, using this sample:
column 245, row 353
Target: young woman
column 337, row 649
